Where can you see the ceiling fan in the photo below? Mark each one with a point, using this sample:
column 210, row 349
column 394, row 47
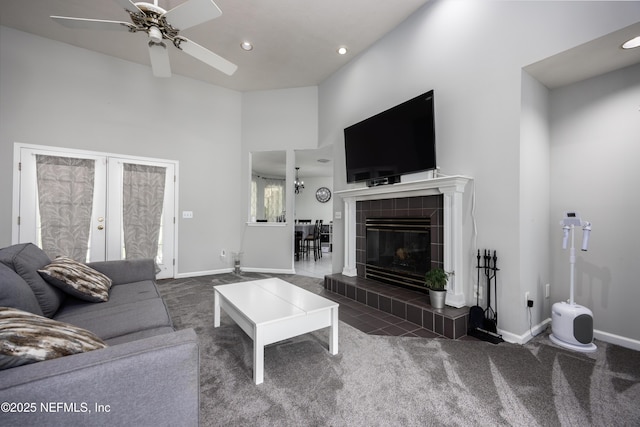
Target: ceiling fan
column 161, row 25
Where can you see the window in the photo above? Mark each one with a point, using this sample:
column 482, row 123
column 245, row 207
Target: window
column 267, row 199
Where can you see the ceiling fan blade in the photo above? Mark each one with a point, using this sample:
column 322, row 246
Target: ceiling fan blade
column 206, row 56
column 159, row 60
column 128, row 5
column 93, row 24
column 192, row 13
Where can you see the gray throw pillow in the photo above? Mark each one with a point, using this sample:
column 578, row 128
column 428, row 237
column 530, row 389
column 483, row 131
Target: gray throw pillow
column 25, row 259
column 27, row 338
column 77, row 279
column 16, row 293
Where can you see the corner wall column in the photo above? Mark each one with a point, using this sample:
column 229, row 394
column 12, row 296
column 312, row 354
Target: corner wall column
column 350, row 237
column 453, row 254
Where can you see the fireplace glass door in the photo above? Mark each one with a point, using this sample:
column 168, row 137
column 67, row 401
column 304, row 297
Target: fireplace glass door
column 398, row 250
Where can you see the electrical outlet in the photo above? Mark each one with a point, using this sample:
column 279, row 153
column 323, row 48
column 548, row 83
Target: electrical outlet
column 546, row 290
column 526, row 299
column 223, row 253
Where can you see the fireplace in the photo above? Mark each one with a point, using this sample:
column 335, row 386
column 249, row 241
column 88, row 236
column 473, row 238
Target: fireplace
column 398, row 250
column 441, row 199
column 399, row 240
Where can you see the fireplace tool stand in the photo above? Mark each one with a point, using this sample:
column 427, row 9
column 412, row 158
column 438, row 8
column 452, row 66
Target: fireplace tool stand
column 483, row 324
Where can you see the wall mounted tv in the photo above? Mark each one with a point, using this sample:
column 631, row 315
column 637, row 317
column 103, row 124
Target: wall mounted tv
column 396, row 142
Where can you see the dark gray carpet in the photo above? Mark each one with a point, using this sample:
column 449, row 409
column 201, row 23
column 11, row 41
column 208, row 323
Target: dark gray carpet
column 383, row 381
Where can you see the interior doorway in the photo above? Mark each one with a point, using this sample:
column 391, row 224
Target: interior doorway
column 313, row 201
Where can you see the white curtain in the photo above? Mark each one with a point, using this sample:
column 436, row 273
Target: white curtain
column 65, row 201
column 274, row 203
column 268, row 199
column 254, row 198
column 142, row 199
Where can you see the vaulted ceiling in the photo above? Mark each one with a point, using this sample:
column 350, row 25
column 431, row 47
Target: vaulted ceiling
column 294, row 41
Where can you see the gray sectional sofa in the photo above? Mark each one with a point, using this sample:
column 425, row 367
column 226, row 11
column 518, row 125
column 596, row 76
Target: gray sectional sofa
column 147, row 375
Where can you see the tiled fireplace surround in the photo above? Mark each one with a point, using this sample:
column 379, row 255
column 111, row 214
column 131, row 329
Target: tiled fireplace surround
column 439, row 199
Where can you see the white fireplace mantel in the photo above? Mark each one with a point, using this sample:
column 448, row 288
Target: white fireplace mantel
column 452, row 187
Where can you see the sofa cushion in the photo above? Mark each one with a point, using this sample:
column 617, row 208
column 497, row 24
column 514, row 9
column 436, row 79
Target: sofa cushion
column 14, row 292
column 25, row 259
column 118, row 294
column 27, row 338
column 139, row 335
column 112, row 321
column 77, row 279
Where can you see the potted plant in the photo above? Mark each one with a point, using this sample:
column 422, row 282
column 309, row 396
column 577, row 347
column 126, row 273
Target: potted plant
column 436, row 281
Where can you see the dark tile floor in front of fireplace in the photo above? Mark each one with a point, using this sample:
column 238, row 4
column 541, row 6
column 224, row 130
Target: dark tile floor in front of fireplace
column 377, row 322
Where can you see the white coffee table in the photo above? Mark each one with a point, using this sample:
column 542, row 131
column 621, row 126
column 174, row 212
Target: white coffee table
column 272, row 310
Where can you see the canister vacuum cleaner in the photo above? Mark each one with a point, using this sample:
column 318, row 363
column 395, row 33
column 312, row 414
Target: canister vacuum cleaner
column 572, row 324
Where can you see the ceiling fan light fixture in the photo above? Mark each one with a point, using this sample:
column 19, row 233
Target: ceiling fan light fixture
column 342, row 50
column 246, row 45
column 155, row 34
column 633, row 43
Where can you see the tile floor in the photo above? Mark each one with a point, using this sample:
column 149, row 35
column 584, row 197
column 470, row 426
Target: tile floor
column 310, row 268
column 361, row 316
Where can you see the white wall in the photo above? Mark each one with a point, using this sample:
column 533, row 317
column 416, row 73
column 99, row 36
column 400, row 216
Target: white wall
column 595, row 147
column 55, row 94
column 274, row 120
column 471, row 53
column 306, row 204
column 534, row 203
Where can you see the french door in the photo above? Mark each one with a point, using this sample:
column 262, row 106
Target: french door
column 106, row 238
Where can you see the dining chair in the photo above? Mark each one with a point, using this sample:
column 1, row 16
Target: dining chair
column 312, row 241
column 297, row 244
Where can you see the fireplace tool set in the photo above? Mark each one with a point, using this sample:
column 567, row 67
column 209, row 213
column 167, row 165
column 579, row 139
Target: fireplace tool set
column 483, row 322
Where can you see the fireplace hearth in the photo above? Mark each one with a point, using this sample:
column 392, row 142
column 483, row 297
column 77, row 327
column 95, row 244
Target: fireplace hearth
column 398, row 250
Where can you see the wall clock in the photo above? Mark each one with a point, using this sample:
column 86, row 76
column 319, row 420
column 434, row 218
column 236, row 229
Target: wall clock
column 323, row 194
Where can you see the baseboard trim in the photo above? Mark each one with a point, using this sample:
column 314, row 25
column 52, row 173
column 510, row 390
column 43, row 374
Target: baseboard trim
column 607, row 337
column 230, row 270
column 203, row 273
column 527, row 336
column 617, row 340
column 269, row 270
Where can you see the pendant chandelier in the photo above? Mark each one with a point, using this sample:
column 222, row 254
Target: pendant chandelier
column 299, row 185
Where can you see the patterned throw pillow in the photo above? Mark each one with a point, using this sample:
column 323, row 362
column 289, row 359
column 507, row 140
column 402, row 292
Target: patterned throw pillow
column 77, row 279
column 27, row 338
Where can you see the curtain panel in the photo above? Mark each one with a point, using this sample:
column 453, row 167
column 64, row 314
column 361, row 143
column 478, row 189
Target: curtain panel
column 274, row 199
column 65, row 201
column 143, row 200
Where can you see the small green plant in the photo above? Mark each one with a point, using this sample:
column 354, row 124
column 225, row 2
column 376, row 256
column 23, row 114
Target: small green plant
column 436, row 279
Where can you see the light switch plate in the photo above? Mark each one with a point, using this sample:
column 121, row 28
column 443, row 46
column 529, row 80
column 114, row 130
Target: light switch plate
column 187, row 214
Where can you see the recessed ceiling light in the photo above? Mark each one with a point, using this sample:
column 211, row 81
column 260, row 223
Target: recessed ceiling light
column 630, row 44
column 342, row 50
column 245, row 45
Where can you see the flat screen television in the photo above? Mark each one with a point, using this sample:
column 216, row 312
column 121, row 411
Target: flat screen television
column 398, row 141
